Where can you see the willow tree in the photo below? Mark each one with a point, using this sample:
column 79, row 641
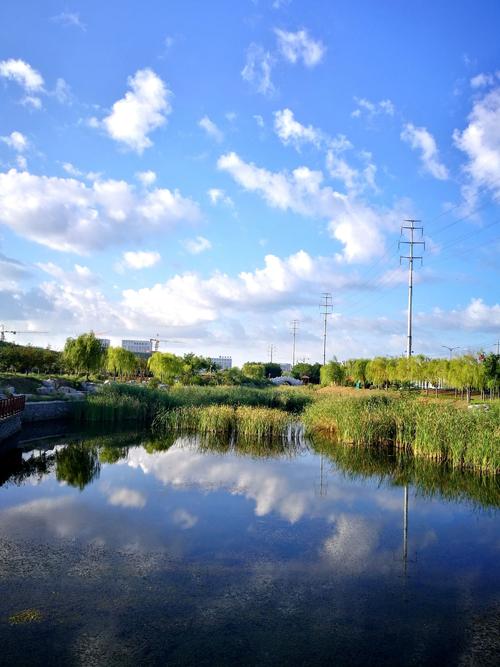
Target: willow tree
column 165, row 366
column 120, row 362
column 84, row 354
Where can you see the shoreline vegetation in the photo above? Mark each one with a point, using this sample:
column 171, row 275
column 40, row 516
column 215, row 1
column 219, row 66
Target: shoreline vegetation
column 440, row 431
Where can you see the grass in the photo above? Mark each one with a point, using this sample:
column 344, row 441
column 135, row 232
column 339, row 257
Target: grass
column 122, row 402
column 429, row 429
column 243, row 422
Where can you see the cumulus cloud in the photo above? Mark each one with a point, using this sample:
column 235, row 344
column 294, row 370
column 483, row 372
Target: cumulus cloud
column 69, row 215
column 482, row 80
column 299, row 46
column 140, row 259
column 371, row 109
column 358, row 227
column 290, row 131
column 144, row 108
column 197, row 245
column 258, row 68
column 23, row 74
column 124, row 497
column 211, row 129
column 476, row 316
column 16, row 140
column 480, row 141
column 147, row 178
column 419, row 138
column 80, row 276
column 218, row 196
column 184, row 519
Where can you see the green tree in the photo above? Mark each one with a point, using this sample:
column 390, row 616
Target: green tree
column 120, row 362
column 77, row 465
column 84, row 354
column 333, row 373
column 272, row 370
column 253, row 370
column 193, row 366
column 312, row 371
column 167, row 367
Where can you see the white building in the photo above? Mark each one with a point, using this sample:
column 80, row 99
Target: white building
column 105, row 343
column 224, row 363
column 142, row 347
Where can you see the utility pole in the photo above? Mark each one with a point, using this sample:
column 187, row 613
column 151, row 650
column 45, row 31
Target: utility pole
column 411, row 257
column 272, row 349
column 326, row 308
column 295, row 328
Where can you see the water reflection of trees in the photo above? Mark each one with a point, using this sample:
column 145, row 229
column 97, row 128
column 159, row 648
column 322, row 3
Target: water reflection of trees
column 400, row 469
column 14, row 469
column 78, row 465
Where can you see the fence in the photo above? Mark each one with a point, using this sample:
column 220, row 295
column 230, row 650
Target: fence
column 11, row 406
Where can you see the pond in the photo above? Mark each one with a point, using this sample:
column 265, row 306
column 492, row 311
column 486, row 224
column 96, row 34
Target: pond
column 118, row 550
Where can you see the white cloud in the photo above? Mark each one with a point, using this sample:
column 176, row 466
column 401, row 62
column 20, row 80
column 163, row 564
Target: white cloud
column 16, row 140
column 299, row 46
column 184, row 519
column 147, row 178
column 197, row 245
column 140, row 259
column 70, row 19
column 257, row 69
column 357, row 226
column 211, row 129
column 480, row 141
column 143, row 109
column 371, row 109
column 218, row 196
column 419, row 138
column 23, row 74
column 291, row 131
column 32, row 101
column 67, row 214
column 477, row 316
column 81, row 276
column 62, row 92
column 482, row 80
column 259, row 120
column 124, row 497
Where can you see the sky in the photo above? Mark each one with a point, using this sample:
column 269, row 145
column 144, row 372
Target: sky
column 204, row 171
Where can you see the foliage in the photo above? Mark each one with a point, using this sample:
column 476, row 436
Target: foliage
column 333, row 373
column 272, row 370
column 167, row 367
column 77, row 465
column 84, row 354
column 430, row 429
column 312, row 371
column 253, row 370
column 27, row 359
column 120, row 362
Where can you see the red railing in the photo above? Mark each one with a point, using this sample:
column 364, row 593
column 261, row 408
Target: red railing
column 11, row 406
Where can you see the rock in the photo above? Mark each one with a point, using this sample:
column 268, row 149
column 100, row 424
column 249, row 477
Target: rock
column 49, row 383
column 10, row 391
column 46, row 390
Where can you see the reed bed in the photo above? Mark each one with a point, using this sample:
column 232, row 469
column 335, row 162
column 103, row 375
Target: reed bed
column 122, row 402
column 440, row 432
column 243, row 422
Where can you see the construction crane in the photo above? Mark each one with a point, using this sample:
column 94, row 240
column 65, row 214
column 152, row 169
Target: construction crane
column 157, row 340
column 4, row 331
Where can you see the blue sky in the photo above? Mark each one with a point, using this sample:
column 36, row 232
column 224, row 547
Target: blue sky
column 206, row 170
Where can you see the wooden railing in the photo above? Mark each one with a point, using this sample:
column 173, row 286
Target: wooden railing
column 11, row 406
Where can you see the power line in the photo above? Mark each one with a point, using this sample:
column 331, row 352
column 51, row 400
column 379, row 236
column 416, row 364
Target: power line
column 326, row 308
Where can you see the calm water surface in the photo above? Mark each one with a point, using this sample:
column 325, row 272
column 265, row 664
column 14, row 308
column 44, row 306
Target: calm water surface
column 131, row 552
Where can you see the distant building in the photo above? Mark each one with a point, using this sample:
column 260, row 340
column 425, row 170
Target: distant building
column 224, row 363
column 285, row 368
column 141, row 348
column 105, row 343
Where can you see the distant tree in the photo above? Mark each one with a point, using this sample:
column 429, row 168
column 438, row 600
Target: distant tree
column 333, row 373
column 491, row 364
column 193, row 366
column 253, row 370
column 120, row 362
column 84, row 354
column 167, row 367
column 272, row 370
column 312, row 371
